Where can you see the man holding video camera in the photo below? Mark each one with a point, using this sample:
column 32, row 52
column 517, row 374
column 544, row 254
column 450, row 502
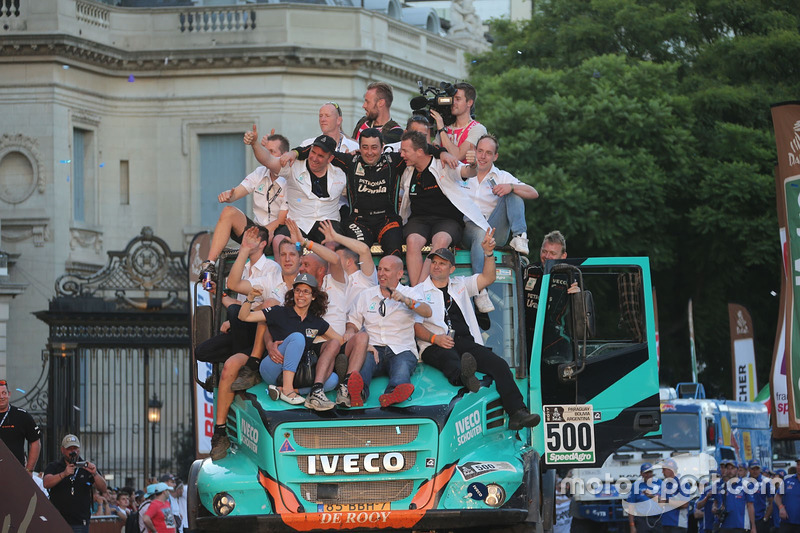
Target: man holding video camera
column 70, row 481
column 462, row 135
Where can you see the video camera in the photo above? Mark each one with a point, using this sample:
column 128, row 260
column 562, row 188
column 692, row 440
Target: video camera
column 432, row 98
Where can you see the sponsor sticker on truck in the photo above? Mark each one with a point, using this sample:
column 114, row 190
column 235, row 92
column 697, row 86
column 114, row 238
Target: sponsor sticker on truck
column 569, row 434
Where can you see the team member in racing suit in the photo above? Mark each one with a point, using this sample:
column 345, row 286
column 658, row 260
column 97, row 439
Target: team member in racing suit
column 373, row 185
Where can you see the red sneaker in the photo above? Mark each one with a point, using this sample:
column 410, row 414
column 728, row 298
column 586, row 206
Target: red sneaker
column 355, row 386
column 400, row 393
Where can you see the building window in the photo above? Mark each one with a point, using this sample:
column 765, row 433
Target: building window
column 222, row 166
column 124, row 183
column 83, row 176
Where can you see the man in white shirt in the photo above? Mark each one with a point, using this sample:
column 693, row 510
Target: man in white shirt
column 387, row 314
column 450, row 339
column 313, row 187
column 330, row 124
column 500, row 197
column 269, row 202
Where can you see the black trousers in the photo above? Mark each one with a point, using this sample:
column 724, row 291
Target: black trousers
column 239, row 339
column 449, row 362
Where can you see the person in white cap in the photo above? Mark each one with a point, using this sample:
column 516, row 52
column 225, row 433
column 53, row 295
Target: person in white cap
column 158, row 517
column 70, row 481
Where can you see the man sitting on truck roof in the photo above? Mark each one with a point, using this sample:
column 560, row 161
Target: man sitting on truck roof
column 450, row 339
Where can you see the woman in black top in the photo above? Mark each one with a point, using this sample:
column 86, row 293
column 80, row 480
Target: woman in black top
column 294, row 325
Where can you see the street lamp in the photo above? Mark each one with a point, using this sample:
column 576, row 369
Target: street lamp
column 154, row 417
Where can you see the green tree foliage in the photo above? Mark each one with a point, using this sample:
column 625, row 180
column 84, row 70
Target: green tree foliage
column 645, row 126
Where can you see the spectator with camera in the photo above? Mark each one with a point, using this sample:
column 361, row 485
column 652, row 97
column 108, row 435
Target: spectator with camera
column 733, row 503
column 70, row 481
column 462, row 135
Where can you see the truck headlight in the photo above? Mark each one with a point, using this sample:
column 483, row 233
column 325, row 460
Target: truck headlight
column 495, row 495
column 224, row 503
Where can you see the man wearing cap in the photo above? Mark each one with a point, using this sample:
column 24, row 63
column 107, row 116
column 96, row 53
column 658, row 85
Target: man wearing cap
column 762, row 496
column 313, row 187
column 70, row 485
column 673, row 499
column 169, row 479
column 736, row 499
column 158, row 517
column 788, row 502
column 17, row 426
column 386, row 312
column 450, row 339
column 640, row 513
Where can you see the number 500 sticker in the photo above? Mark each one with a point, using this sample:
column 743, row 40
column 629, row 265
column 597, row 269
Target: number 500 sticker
column 569, row 434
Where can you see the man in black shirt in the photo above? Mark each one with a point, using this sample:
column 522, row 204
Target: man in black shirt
column 17, row 426
column 70, row 481
column 378, row 109
column 373, row 187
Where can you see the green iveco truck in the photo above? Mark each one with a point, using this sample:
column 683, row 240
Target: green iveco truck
column 445, row 459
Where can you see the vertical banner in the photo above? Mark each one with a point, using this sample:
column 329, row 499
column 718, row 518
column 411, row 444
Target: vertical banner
column 778, row 384
column 786, row 122
column 203, row 401
column 691, row 343
column 743, row 355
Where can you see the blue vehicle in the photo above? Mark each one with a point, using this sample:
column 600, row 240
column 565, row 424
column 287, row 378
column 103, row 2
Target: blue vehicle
column 697, row 433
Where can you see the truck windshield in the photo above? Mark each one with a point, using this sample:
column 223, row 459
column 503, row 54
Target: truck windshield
column 680, row 431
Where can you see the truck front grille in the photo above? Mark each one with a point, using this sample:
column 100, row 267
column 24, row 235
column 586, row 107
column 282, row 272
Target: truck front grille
column 359, row 491
column 355, row 437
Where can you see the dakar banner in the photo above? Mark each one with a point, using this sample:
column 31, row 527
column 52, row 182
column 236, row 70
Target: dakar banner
column 779, row 394
column 786, row 122
column 743, row 355
column 203, row 400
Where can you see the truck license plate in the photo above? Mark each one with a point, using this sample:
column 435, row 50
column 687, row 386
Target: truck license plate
column 352, row 507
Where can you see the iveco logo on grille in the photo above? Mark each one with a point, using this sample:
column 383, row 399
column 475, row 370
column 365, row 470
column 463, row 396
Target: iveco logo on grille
column 350, row 463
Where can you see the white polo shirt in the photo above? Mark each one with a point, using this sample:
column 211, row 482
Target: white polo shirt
column 481, row 192
column 271, row 285
column 356, row 283
column 336, row 314
column 251, row 272
column 345, row 144
column 269, row 197
column 395, row 330
column 305, row 207
column 461, row 289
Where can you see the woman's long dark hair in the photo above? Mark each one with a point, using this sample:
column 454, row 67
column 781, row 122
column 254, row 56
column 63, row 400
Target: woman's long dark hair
column 319, row 304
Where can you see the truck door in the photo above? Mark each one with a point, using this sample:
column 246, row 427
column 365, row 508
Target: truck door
column 595, row 347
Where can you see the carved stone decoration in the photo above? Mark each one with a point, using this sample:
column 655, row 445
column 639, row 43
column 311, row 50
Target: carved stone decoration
column 20, row 229
column 146, row 275
column 85, row 238
column 21, row 170
column 466, row 27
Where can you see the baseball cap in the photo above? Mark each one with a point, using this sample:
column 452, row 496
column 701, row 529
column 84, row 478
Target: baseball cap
column 754, row 463
column 326, row 143
column 670, row 464
column 445, row 254
column 781, row 472
column 727, row 462
column 308, row 279
column 646, row 467
column 70, row 440
column 156, row 488
column 166, row 477
column 741, row 465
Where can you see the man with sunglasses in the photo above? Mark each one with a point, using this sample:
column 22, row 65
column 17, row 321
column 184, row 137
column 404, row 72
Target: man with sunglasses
column 450, row 338
column 16, row 427
column 387, row 314
column 330, row 123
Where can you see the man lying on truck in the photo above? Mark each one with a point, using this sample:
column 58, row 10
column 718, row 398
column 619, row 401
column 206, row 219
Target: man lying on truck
column 449, row 337
column 386, row 313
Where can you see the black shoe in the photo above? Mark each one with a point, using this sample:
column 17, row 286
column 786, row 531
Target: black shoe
column 210, row 383
column 523, row 419
column 468, row 368
column 247, row 378
column 484, row 322
column 340, row 366
column 219, row 446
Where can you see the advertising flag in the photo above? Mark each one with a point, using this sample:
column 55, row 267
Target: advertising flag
column 743, row 355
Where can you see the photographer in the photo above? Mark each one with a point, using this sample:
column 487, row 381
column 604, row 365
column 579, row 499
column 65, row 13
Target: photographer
column 70, row 481
column 461, row 136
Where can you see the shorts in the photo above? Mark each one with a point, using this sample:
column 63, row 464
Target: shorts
column 384, row 229
column 315, row 234
column 238, row 238
column 430, row 225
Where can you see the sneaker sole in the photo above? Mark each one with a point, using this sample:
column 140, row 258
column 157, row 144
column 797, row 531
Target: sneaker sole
column 355, row 385
column 400, row 393
column 316, row 406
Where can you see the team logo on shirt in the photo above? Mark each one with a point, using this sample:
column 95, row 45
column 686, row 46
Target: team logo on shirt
column 311, row 333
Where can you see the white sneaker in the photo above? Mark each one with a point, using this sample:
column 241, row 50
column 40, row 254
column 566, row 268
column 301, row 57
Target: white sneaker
column 520, row 243
column 342, row 395
column 317, row 400
column 483, row 302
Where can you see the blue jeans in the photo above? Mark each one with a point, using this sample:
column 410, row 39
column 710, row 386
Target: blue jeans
column 398, row 367
column 292, row 349
column 508, row 216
